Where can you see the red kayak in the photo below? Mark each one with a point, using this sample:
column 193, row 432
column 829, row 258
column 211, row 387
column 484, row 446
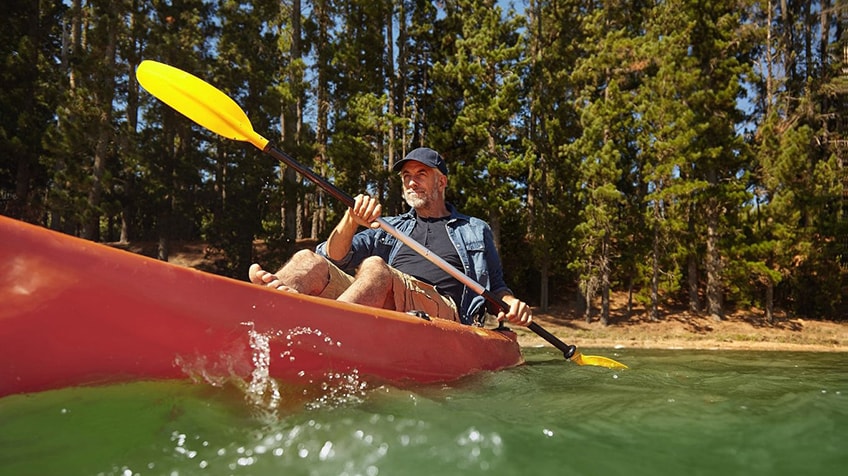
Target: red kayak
column 74, row 312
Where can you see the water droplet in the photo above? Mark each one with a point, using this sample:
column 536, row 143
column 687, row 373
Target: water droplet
column 326, row 451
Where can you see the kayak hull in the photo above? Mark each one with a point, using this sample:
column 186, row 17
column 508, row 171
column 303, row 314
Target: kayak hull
column 74, row 312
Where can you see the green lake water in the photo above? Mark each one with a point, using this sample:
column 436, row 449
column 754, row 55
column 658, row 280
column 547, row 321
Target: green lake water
column 674, row 412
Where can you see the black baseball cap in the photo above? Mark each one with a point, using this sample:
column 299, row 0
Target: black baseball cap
column 426, row 156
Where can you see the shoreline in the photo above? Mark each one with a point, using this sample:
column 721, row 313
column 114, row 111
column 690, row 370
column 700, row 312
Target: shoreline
column 683, row 331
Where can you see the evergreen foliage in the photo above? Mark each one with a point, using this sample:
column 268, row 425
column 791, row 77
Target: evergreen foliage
column 691, row 153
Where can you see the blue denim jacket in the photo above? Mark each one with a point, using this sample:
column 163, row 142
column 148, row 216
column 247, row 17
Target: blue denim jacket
column 472, row 239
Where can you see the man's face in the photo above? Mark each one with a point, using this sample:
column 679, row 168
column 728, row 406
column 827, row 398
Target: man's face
column 422, row 186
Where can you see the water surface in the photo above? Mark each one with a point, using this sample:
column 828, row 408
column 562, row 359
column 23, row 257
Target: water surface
column 673, row 412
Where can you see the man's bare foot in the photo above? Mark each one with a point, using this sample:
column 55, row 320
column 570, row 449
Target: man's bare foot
column 260, row 277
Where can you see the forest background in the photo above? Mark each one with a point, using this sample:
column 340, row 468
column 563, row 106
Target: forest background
column 686, row 153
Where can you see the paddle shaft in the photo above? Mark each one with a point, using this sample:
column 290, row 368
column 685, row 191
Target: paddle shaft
column 567, row 350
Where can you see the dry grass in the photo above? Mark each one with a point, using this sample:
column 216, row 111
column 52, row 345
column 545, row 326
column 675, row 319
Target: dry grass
column 741, row 330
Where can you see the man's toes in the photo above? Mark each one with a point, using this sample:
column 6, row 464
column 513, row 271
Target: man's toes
column 254, row 272
column 282, row 287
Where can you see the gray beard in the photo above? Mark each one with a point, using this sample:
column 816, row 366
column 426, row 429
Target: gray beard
column 415, row 202
column 418, row 201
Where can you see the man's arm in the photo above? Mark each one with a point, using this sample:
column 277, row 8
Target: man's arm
column 365, row 211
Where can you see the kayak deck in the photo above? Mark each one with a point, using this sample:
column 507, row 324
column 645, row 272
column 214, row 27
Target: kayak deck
column 75, row 312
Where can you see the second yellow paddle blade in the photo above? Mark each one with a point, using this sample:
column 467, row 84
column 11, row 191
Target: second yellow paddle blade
column 199, row 101
column 597, row 361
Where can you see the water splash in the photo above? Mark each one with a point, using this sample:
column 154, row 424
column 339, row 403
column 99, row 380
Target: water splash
column 262, row 391
column 333, row 389
column 340, row 389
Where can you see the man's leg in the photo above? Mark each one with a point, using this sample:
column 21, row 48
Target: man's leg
column 306, row 272
column 372, row 286
column 413, row 294
column 379, row 285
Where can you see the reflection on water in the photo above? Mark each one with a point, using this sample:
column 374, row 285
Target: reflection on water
column 673, row 412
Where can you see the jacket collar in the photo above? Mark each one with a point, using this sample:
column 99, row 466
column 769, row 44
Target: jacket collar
column 454, row 214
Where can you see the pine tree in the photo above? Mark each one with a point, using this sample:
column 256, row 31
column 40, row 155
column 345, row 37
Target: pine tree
column 667, row 131
column 172, row 158
column 551, row 123
column 477, row 87
column 605, row 148
column 247, row 68
column 720, row 45
column 29, row 41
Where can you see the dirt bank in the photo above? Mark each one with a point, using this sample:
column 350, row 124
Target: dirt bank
column 740, row 331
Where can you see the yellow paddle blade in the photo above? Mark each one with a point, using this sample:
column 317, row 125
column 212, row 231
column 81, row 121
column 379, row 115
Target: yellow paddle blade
column 199, row 101
column 596, row 360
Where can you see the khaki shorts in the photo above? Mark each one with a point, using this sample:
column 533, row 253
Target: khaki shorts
column 410, row 293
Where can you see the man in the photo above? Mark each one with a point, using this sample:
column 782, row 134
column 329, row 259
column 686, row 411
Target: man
column 390, row 275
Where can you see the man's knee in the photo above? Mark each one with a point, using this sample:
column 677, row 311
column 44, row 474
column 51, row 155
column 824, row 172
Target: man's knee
column 374, row 266
column 306, row 259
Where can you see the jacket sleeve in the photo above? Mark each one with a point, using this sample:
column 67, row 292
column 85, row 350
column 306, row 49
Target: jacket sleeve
column 361, row 247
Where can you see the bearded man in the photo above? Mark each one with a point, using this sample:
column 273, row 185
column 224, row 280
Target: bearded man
column 373, row 268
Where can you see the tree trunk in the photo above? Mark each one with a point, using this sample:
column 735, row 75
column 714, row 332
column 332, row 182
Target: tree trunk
column 769, row 301
column 495, row 224
column 164, row 219
column 824, row 42
column 605, row 281
column 322, row 99
column 589, row 292
column 543, row 284
column 713, row 267
column 391, row 87
column 605, row 303
column 692, row 267
column 655, row 277
column 104, row 98
column 291, row 208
